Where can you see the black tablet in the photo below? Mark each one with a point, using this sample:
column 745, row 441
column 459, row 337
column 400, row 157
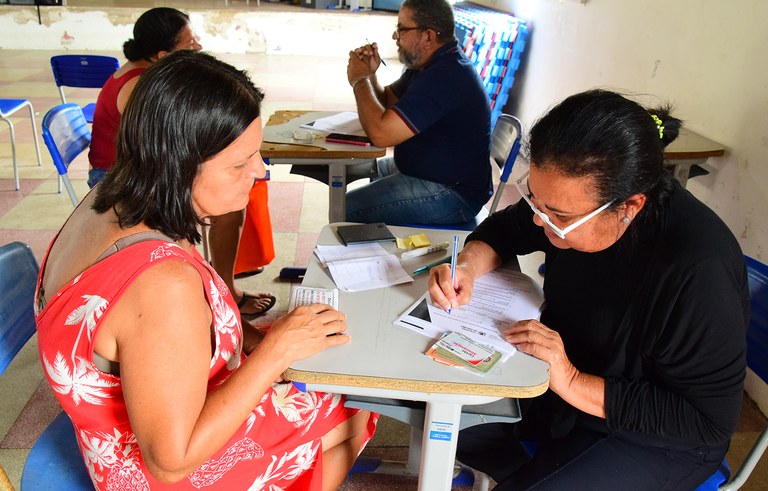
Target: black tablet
column 364, row 232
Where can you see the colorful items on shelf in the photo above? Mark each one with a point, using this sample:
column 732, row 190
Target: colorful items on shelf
column 493, row 41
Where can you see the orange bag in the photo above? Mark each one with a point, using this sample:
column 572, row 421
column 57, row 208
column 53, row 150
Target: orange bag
column 257, row 247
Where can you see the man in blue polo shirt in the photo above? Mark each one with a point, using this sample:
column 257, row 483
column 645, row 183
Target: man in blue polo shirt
column 437, row 117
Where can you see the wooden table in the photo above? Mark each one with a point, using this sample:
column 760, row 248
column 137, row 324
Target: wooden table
column 384, row 360
column 335, row 157
column 690, row 149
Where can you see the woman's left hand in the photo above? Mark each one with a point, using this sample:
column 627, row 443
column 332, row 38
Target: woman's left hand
column 536, row 339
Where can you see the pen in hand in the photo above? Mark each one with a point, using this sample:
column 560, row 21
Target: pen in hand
column 382, row 59
column 453, row 263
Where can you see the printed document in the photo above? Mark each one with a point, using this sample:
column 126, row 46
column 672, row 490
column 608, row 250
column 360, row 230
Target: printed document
column 499, row 299
column 361, row 267
column 305, row 295
column 346, row 123
column 331, row 253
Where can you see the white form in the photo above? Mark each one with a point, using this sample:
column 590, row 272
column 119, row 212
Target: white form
column 330, row 253
column 361, row 267
column 499, row 299
column 345, row 122
column 367, row 273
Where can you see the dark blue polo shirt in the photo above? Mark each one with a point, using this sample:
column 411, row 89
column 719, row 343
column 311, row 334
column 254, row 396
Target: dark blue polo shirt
column 445, row 104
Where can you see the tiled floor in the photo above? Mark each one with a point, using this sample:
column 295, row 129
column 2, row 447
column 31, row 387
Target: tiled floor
column 298, row 207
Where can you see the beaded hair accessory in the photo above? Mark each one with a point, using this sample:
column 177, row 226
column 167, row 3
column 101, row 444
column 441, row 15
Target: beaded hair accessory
column 658, row 125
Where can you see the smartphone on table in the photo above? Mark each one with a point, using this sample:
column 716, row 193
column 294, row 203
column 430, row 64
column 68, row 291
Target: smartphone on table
column 349, row 139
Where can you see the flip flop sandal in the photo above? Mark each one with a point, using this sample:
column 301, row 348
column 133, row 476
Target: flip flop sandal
column 247, row 296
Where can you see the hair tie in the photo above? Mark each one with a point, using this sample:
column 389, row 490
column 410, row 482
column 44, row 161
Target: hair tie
column 658, row 125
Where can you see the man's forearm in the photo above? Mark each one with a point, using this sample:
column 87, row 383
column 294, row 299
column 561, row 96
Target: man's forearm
column 381, row 94
column 369, row 107
column 379, row 91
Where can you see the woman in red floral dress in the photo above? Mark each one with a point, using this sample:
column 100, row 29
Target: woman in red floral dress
column 141, row 340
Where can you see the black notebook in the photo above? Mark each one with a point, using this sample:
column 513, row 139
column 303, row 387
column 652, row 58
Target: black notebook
column 364, row 232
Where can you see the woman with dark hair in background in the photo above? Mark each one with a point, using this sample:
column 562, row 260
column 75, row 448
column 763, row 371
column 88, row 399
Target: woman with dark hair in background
column 646, row 309
column 157, row 32
column 140, row 338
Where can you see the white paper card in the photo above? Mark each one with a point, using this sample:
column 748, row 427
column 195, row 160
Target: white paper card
column 305, row 295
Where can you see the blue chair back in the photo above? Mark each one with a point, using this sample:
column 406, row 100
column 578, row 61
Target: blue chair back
column 757, row 361
column 757, row 336
column 54, row 461
column 87, row 71
column 66, row 134
column 18, row 277
column 505, row 147
column 84, row 71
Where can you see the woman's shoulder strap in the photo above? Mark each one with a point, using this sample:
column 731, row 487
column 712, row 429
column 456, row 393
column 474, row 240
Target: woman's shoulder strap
column 129, row 240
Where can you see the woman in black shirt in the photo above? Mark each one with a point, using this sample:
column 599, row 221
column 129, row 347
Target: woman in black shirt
column 646, row 310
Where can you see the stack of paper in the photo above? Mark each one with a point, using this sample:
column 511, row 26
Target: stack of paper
column 455, row 349
column 346, row 123
column 361, row 267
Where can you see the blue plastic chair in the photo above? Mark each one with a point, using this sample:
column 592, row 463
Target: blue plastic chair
column 7, row 108
column 54, row 461
column 85, row 71
column 67, row 135
column 757, row 361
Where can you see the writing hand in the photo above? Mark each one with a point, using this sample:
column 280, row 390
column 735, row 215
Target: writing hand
column 445, row 294
column 536, row 339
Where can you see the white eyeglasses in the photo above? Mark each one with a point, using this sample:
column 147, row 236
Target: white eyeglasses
column 560, row 232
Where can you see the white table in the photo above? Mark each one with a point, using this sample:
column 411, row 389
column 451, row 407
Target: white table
column 384, row 360
column 337, row 157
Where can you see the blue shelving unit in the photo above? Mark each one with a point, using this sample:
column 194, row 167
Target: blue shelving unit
column 493, row 41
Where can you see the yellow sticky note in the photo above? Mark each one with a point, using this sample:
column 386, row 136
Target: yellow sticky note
column 419, row 240
column 403, row 243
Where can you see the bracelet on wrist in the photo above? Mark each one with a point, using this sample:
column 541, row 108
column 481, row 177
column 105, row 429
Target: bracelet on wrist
column 354, row 84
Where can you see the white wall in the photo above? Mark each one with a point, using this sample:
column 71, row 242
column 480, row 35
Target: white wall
column 707, row 57
column 309, row 32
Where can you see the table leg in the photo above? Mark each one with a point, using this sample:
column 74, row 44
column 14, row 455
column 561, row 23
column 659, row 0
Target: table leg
column 337, row 190
column 441, row 430
column 681, row 168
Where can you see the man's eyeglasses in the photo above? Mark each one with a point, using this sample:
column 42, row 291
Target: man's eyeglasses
column 399, row 30
column 522, row 186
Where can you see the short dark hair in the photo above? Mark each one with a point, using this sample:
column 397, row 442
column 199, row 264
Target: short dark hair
column 186, row 108
column 155, row 30
column 434, row 14
column 614, row 140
